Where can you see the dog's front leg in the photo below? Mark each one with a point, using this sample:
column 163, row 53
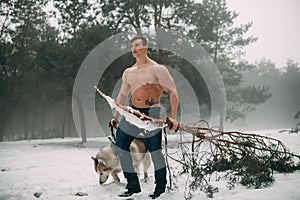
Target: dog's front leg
column 114, row 174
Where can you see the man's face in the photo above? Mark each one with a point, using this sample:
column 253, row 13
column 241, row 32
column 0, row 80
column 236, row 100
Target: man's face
column 138, row 49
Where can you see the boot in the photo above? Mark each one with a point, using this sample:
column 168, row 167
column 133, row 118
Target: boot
column 159, row 189
column 131, row 189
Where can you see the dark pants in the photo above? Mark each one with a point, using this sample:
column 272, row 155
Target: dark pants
column 126, row 133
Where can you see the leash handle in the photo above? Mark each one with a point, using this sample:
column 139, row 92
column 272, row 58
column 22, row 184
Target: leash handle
column 112, row 133
column 112, row 126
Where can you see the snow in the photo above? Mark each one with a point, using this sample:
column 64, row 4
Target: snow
column 61, row 168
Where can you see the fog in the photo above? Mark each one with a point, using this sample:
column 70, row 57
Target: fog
column 39, row 119
column 279, row 111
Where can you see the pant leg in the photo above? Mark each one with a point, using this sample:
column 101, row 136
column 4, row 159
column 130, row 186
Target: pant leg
column 153, row 144
column 123, row 141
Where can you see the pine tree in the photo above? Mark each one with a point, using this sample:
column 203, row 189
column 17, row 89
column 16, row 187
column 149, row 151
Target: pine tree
column 215, row 30
column 72, row 15
column 24, row 28
column 212, row 25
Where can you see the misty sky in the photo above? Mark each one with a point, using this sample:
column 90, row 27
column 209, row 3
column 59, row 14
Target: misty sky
column 276, row 24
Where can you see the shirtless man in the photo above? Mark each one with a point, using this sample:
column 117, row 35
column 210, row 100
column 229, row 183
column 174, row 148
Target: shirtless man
column 145, row 81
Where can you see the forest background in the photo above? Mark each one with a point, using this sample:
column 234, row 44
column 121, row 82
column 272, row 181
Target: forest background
column 39, row 62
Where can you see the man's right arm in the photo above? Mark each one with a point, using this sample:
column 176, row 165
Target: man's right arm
column 122, row 97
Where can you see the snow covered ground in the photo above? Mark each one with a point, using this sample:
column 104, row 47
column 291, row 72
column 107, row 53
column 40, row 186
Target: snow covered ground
column 62, row 168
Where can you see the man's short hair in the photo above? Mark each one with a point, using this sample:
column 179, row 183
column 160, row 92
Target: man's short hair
column 136, row 37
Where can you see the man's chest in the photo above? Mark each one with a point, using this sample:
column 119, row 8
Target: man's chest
column 141, row 77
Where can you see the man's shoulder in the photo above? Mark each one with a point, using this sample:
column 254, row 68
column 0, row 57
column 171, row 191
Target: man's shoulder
column 127, row 70
column 160, row 67
column 156, row 65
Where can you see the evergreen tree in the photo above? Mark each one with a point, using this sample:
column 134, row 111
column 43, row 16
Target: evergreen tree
column 122, row 14
column 211, row 24
column 19, row 52
column 72, row 15
column 215, row 30
column 290, row 88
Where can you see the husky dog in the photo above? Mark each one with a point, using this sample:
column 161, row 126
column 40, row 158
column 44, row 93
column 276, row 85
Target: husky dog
column 106, row 162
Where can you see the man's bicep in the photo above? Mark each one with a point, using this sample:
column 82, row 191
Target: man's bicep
column 125, row 87
column 167, row 81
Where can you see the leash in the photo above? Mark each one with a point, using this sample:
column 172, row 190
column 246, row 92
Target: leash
column 111, row 138
column 112, row 135
column 87, row 150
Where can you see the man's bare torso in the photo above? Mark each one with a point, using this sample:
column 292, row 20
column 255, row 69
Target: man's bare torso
column 144, row 87
column 145, row 81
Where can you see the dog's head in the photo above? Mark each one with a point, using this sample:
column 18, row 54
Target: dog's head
column 102, row 170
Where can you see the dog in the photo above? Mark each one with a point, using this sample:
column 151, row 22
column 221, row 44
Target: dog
column 106, row 162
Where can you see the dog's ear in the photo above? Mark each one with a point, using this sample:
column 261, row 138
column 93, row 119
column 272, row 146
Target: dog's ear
column 95, row 160
column 102, row 162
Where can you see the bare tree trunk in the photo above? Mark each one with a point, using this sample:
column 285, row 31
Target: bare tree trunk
column 6, row 106
column 42, row 115
column 67, row 104
column 216, row 48
column 69, row 124
column 34, row 117
column 137, row 20
column 43, row 125
column 157, row 25
column 2, row 122
column 26, row 120
column 81, row 118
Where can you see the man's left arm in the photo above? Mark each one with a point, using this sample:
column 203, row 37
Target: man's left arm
column 167, row 82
